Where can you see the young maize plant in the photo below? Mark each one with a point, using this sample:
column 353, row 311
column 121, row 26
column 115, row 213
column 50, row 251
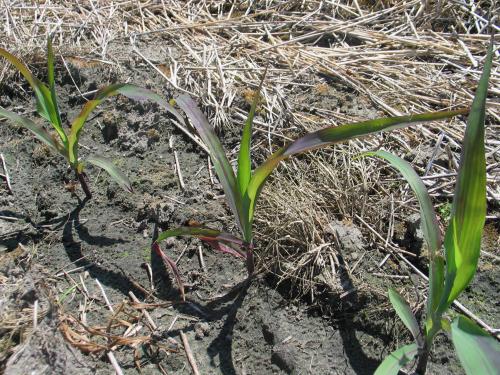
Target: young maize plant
column 478, row 352
column 66, row 144
column 242, row 189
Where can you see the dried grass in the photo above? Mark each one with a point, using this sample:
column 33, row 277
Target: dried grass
column 18, row 312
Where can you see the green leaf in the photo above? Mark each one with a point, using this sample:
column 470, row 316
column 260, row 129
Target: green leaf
column 45, row 106
column 244, row 158
column 445, row 324
column 330, row 136
column 479, row 353
column 128, row 90
column 23, row 69
column 50, row 73
column 221, row 163
column 463, row 236
column 39, row 132
column 397, row 359
column 436, row 284
column 112, row 170
column 50, row 63
column 405, row 313
column 430, row 229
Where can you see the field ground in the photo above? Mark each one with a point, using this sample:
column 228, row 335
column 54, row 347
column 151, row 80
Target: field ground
column 332, row 232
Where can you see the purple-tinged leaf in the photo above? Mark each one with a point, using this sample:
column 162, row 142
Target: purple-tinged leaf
column 223, row 248
column 330, row 136
column 173, row 267
column 342, row 133
column 131, row 91
column 220, row 241
column 221, row 164
column 39, row 132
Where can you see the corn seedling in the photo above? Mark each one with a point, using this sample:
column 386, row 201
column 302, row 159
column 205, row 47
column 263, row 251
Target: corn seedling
column 478, row 352
column 243, row 189
column 67, row 143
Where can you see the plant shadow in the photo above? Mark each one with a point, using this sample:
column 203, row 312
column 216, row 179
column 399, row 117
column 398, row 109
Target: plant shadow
column 222, row 345
column 71, row 224
column 224, row 308
column 359, row 361
column 344, row 316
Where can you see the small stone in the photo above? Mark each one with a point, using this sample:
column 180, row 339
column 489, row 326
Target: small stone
column 348, row 234
column 201, row 330
column 140, row 147
column 110, row 128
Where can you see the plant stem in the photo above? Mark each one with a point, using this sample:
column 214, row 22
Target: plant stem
column 82, row 177
column 250, row 259
column 423, row 352
column 423, row 357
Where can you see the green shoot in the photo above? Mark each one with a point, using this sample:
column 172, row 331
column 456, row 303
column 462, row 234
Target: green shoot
column 242, row 189
column 66, row 144
column 478, row 352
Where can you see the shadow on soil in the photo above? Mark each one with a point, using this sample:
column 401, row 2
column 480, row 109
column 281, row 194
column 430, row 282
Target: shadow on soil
column 359, row 361
column 222, row 344
column 343, row 313
column 70, row 223
column 223, row 309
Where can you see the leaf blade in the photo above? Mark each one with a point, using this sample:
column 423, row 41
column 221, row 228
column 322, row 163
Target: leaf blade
column 51, row 79
column 332, row 135
column 219, row 240
column 221, row 163
column 120, row 178
column 405, row 314
column 173, row 267
column 463, row 236
column 329, row 136
column 45, row 106
column 436, row 286
column 430, row 225
column 479, row 353
column 131, row 91
column 39, row 132
column 396, row 360
column 244, row 157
